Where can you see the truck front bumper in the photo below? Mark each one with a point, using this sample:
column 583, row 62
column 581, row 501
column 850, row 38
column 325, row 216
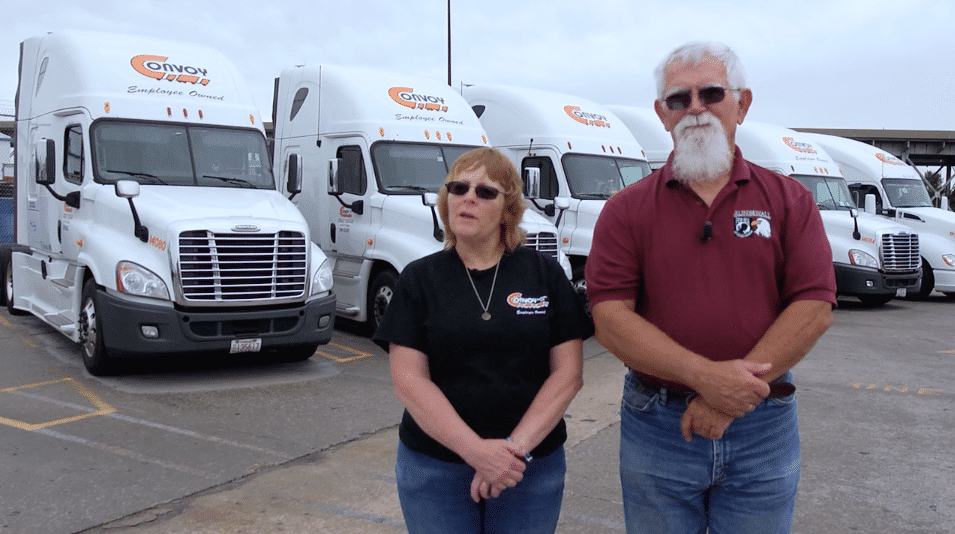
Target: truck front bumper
column 853, row 280
column 137, row 329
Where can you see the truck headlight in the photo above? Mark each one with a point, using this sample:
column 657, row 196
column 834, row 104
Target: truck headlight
column 137, row 280
column 322, row 280
column 949, row 259
column 863, row 259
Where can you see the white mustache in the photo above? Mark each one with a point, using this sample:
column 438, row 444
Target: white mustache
column 703, row 119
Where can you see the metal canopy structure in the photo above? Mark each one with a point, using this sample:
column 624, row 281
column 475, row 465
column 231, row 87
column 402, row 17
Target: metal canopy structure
column 921, row 148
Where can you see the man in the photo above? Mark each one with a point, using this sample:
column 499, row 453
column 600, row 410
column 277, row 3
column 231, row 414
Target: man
column 709, row 279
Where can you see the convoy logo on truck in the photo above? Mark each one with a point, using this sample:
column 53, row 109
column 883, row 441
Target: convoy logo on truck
column 799, row 146
column 583, row 117
column 158, row 68
column 406, row 96
column 889, row 158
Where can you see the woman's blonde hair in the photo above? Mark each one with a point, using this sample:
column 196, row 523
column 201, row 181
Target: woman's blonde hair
column 500, row 170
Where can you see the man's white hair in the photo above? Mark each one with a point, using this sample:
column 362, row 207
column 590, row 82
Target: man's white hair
column 693, row 53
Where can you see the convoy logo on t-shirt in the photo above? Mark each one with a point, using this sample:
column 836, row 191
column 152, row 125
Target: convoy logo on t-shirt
column 750, row 222
column 528, row 305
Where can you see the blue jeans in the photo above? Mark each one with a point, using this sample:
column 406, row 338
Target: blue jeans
column 744, row 482
column 436, row 497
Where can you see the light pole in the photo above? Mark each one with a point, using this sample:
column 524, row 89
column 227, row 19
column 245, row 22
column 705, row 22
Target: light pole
column 449, row 43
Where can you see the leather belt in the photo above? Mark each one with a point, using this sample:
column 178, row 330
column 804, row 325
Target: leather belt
column 777, row 390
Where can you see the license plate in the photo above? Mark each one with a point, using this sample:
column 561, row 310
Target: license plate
column 245, row 345
column 900, row 292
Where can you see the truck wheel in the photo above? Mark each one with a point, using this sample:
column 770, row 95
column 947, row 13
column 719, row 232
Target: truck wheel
column 928, row 282
column 296, row 353
column 95, row 357
column 6, row 267
column 380, row 295
column 580, row 287
column 874, row 301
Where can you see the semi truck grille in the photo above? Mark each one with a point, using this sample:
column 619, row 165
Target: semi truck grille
column 242, row 267
column 900, row 253
column 545, row 242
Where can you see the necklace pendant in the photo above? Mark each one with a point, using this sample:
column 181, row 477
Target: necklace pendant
column 486, row 316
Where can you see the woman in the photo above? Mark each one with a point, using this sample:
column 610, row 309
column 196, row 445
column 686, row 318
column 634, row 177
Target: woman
column 485, row 344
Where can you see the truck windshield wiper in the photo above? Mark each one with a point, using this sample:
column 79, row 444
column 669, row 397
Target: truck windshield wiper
column 152, row 177
column 594, row 196
column 415, row 188
column 230, row 180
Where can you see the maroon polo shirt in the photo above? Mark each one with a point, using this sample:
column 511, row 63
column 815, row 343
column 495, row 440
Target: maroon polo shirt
column 715, row 296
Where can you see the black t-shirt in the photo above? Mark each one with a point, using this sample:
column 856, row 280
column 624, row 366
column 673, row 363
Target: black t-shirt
column 490, row 370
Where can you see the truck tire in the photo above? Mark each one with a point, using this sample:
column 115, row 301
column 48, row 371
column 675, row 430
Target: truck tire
column 928, row 282
column 580, row 287
column 296, row 353
column 874, row 301
column 6, row 272
column 95, row 357
column 379, row 297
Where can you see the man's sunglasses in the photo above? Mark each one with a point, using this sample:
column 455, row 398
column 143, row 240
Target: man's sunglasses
column 681, row 100
column 485, row 192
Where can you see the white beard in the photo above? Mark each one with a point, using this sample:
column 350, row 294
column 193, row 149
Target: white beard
column 701, row 155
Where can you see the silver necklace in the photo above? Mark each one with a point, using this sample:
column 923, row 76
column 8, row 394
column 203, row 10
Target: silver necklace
column 486, row 316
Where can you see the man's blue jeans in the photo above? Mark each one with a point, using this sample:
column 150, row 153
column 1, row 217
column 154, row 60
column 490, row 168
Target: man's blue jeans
column 744, row 482
column 436, row 497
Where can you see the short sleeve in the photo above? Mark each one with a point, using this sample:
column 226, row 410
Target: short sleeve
column 404, row 319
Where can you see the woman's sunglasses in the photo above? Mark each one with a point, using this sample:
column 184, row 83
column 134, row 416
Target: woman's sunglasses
column 485, row 192
column 713, row 94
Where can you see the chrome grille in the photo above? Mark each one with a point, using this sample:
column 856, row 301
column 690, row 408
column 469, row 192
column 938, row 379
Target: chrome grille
column 545, row 242
column 900, row 253
column 242, row 267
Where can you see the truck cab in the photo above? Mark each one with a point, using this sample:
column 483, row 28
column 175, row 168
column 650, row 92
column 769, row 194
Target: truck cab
column 899, row 193
column 147, row 217
column 875, row 258
column 373, row 148
column 580, row 153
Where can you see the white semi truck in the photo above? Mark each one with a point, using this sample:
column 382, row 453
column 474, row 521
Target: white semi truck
column 578, row 150
column 646, row 127
column 147, row 217
column 898, row 191
column 373, row 148
column 875, row 258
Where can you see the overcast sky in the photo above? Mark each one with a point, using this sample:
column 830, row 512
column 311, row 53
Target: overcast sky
column 811, row 63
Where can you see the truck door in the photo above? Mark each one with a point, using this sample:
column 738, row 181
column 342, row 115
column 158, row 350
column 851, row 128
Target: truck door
column 74, row 162
column 46, row 214
column 348, row 230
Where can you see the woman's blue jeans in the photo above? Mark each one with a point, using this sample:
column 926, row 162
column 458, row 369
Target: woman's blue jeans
column 744, row 482
column 436, row 497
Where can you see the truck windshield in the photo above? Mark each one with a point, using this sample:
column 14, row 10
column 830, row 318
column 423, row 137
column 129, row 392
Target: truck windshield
column 601, row 176
column 906, row 193
column 830, row 193
column 177, row 154
column 408, row 168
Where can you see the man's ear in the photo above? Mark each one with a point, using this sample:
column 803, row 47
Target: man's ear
column 745, row 101
column 658, row 107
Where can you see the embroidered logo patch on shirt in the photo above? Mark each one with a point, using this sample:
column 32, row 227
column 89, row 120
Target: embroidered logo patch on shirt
column 528, row 305
column 752, row 222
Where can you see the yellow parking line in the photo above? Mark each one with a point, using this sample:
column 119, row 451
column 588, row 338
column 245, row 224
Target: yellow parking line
column 102, row 407
column 358, row 354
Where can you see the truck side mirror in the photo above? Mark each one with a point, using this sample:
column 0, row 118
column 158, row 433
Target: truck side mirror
column 532, row 181
column 294, row 184
column 333, row 186
column 870, row 203
column 46, row 163
column 127, row 189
